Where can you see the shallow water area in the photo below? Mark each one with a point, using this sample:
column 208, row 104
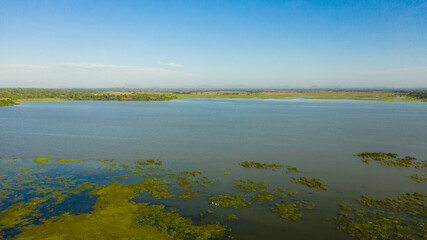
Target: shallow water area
column 318, row 137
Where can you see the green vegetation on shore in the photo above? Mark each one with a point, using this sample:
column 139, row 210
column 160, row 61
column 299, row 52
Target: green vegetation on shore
column 123, row 94
column 332, row 94
column 7, row 102
column 36, row 94
column 418, row 94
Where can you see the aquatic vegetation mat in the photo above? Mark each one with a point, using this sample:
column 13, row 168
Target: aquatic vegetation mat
column 403, row 217
column 311, row 183
column 271, row 166
column 419, row 178
column 34, row 195
column 45, row 198
column 392, row 160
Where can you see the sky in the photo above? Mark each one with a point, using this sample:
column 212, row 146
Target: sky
column 213, row 44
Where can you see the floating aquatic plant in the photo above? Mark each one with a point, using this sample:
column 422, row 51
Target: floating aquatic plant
column 30, row 194
column 273, row 166
column 231, row 216
column 311, row 183
column 31, row 198
column 228, row 201
column 264, row 193
column 418, row 178
column 413, row 203
column 259, row 165
column 250, row 186
column 289, row 211
column 131, row 220
column 392, row 160
column 41, row 160
column 403, row 217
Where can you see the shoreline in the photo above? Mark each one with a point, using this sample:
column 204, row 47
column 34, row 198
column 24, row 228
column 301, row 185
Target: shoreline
column 243, row 98
column 9, row 96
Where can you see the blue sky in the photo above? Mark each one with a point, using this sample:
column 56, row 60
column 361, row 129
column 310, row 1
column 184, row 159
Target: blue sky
column 269, row 44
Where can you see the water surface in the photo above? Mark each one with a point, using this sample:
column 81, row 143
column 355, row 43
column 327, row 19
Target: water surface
column 320, row 137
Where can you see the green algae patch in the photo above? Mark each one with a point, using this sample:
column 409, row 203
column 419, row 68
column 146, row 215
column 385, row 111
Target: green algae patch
column 157, row 187
column 418, row 178
column 272, row 166
column 41, row 160
column 7, row 165
column 413, row 203
column 265, row 196
column 403, row 217
column 68, row 160
column 36, row 200
column 150, row 162
column 113, row 207
column 176, row 226
column 288, row 211
column 259, row 165
column 32, row 193
column 251, row 186
column 17, row 214
column 231, row 216
column 311, row 183
column 392, row 160
column 228, row 201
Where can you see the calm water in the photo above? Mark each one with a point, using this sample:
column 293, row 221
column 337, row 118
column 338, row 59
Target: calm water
column 317, row 136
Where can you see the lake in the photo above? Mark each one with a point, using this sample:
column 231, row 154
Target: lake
column 318, row 137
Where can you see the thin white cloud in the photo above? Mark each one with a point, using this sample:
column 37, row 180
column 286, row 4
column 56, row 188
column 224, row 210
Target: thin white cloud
column 83, row 74
column 18, row 65
column 171, row 64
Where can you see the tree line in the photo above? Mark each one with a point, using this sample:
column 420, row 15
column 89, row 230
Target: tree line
column 14, row 94
column 418, row 94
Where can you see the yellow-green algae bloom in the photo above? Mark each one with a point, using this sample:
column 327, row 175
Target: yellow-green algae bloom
column 228, row 201
column 289, row 211
column 116, row 216
column 392, row 160
column 231, row 216
column 31, row 198
column 41, row 160
column 418, row 178
column 311, row 183
column 403, row 217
